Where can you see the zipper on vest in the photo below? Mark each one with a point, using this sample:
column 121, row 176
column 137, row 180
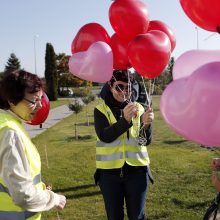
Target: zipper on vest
column 121, row 173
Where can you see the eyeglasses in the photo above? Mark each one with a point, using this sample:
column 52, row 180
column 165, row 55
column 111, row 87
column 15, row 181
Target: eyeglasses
column 32, row 102
column 121, row 87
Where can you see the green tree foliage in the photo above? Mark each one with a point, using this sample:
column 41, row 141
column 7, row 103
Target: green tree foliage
column 1, row 75
column 65, row 78
column 76, row 107
column 13, row 63
column 51, row 72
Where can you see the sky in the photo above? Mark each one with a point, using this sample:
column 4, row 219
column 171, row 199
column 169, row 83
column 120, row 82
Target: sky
column 25, row 23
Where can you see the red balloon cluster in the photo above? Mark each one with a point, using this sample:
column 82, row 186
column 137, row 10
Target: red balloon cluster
column 42, row 113
column 137, row 42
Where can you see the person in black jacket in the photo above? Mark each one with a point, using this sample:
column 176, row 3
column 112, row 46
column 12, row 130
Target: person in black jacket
column 123, row 130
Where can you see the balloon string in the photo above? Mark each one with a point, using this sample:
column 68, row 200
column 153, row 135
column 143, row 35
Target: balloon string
column 145, row 89
column 211, row 35
column 129, row 89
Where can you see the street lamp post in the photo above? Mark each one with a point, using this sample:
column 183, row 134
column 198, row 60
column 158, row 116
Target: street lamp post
column 35, row 54
column 197, row 38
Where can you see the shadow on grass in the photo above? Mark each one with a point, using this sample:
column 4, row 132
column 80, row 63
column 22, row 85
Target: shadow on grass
column 192, row 205
column 81, row 195
column 85, row 124
column 85, row 137
column 78, row 195
column 174, row 142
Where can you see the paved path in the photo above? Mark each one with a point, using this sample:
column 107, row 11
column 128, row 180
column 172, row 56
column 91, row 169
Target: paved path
column 55, row 115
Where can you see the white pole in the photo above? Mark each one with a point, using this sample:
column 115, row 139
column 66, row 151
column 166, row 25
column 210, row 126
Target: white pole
column 197, row 38
column 35, row 54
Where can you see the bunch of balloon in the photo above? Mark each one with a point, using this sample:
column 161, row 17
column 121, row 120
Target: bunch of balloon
column 92, row 57
column 138, row 42
column 189, row 103
column 204, row 13
column 42, row 114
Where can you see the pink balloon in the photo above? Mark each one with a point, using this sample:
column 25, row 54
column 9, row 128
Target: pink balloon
column 95, row 64
column 190, row 105
column 191, row 60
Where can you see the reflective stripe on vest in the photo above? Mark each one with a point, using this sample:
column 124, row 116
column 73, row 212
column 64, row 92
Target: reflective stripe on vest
column 8, row 209
column 114, row 154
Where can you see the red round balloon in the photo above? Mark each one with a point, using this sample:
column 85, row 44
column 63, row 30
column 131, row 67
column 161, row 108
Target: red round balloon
column 42, row 113
column 119, row 49
column 161, row 26
column 204, row 13
column 150, row 53
column 129, row 18
column 87, row 35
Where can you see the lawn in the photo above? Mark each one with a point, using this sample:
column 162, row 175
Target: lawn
column 181, row 169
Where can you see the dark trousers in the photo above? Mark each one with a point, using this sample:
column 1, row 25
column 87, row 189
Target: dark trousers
column 131, row 188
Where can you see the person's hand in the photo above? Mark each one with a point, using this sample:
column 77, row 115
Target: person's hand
column 148, row 117
column 216, row 182
column 215, row 164
column 130, row 111
column 49, row 187
column 62, row 202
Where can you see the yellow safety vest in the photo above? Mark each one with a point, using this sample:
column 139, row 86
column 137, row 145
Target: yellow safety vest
column 113, row 155
column 8, row 209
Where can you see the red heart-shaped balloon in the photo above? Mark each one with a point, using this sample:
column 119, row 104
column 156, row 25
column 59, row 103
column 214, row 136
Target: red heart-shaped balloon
column 161, row 26
column 42, row 113
column 204, row 13
column 87, row 35
column 129, row 18
column 119, row 49
column 150, row 53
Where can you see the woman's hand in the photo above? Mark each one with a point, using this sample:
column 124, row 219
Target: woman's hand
column 62, row 202
column 215, row 164
column 130, row 111
column 148, row 117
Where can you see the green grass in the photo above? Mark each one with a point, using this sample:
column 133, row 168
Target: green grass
column 181, row 169
column 54, row 104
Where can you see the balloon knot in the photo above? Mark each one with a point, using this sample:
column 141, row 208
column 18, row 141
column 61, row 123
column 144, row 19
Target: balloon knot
column 218, row 29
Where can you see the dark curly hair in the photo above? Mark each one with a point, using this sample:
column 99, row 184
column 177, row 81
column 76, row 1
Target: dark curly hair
column 121, row 75
column 14, row 85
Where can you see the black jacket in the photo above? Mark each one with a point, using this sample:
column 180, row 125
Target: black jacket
column 107, row 133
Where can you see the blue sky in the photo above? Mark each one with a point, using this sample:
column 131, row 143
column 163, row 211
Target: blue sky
column 25, row 21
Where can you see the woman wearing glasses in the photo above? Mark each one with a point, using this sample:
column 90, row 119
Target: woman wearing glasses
column 123, row 129
column 22, row 193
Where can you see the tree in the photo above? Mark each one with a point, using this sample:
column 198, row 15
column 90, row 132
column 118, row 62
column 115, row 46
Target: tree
column 13, row 63
column 51, row 72
column 76, row 108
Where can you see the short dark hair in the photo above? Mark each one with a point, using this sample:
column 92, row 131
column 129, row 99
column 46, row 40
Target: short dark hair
column 14, row 85
column 121, row 75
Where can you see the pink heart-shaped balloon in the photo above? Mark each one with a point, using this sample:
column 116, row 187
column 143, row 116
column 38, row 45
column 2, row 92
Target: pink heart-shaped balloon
column 191, row 107
column 95, row 64
column 191, row 60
